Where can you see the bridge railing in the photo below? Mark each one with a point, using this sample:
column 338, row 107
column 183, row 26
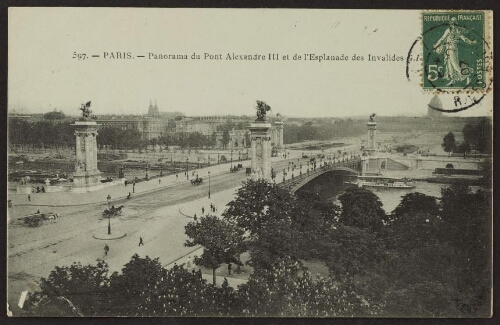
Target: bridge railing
column 303, row 178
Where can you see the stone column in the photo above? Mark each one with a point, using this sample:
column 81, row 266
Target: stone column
column 78, row 147
column 371, row 143
column 88, row 178
column 261, row 148
column 279, row 142
column 254, row 154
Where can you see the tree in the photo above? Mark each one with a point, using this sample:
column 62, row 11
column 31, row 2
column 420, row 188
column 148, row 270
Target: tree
column 416, row 202
column 213, row 140
column 449, row 143
column 288, row 290
column 86, row 287
column 478, row 135
column 276, row 240
column 136, row 279
column 55, row 115
column 361, row 208
column 352, row 251
column 225, row 138
column 258, row 202
column 248, row 141
column 222, row 241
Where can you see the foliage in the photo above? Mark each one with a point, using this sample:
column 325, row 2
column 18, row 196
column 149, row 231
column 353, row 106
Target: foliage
column 287, row 289
column 478, row 135
column 277, row 239
column 425, row 262
column 55, row 115
column 324, row 129
column 449, row 142
column 136, row 276
column 258, row 202
column 225, row 138
column 416, row 202
column 40, row 134
column 222, row 241
column 352, row 251
column 469, row 217
column 406, row 148
column 85, row 286
column 361, row 208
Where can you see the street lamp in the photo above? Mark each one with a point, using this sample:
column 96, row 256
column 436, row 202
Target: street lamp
column 187, row 168
column 208, row 184
column 109, row 214
column 231, row 158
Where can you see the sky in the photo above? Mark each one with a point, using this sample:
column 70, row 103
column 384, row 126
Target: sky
column 43, row 75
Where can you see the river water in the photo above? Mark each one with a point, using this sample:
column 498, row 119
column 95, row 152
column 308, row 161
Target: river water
column 390, row 198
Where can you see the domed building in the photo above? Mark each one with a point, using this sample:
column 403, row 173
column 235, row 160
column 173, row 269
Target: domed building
column 434, row 106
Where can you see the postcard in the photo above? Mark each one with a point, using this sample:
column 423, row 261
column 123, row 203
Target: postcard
column 249, row 162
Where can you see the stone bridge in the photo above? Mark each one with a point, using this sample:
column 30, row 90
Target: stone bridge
column 349, row 166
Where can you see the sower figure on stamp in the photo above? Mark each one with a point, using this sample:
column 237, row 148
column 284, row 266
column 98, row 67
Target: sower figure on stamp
column 448, row 46
column 140, row 241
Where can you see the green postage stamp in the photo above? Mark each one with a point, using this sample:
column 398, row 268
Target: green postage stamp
column 456, row 54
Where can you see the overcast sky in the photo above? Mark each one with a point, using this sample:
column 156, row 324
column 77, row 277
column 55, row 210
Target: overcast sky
column 43, row 75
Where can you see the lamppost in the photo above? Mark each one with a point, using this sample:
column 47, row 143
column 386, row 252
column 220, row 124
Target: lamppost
column 208, row 184
column 231, row 158
column 187, row 168
column 109, row 214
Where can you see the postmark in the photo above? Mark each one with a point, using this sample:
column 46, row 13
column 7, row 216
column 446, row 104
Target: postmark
column 455, row 51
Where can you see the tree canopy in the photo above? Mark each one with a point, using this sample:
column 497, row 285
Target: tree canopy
column 222, row 242
column 362, row 209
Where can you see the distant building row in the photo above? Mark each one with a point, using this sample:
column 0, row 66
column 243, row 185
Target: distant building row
column 153, row 125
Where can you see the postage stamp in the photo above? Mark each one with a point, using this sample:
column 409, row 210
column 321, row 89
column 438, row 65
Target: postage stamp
column 455, row 50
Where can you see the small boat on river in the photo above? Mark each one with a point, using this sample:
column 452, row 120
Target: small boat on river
column 383, row 182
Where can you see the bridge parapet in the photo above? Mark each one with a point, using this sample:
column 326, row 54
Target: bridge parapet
column 293, row 184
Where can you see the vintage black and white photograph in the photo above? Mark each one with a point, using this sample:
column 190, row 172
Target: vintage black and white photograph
column 249, row 163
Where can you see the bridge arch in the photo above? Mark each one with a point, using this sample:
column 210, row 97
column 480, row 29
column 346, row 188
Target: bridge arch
column 348, row 167
column 337, row 171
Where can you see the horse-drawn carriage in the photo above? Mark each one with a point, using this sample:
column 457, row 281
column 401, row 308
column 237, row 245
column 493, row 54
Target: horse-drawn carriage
column 111, row 212
column 235, row 168
column 37, row 219
column 197, row 181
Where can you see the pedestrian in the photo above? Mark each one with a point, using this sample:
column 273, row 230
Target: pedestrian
column 159, row 181
column 38, row 211
column 203, row 210
column 229, row 267
column 133, row 189
column 29, row 198
column 106, row 249
column 195, row 217
column 128, row 196
column 140, row 241
column 177, row 176
column 43, row 189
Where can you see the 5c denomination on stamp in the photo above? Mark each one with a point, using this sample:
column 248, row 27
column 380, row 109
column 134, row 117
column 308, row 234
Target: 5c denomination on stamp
column 454, row 51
